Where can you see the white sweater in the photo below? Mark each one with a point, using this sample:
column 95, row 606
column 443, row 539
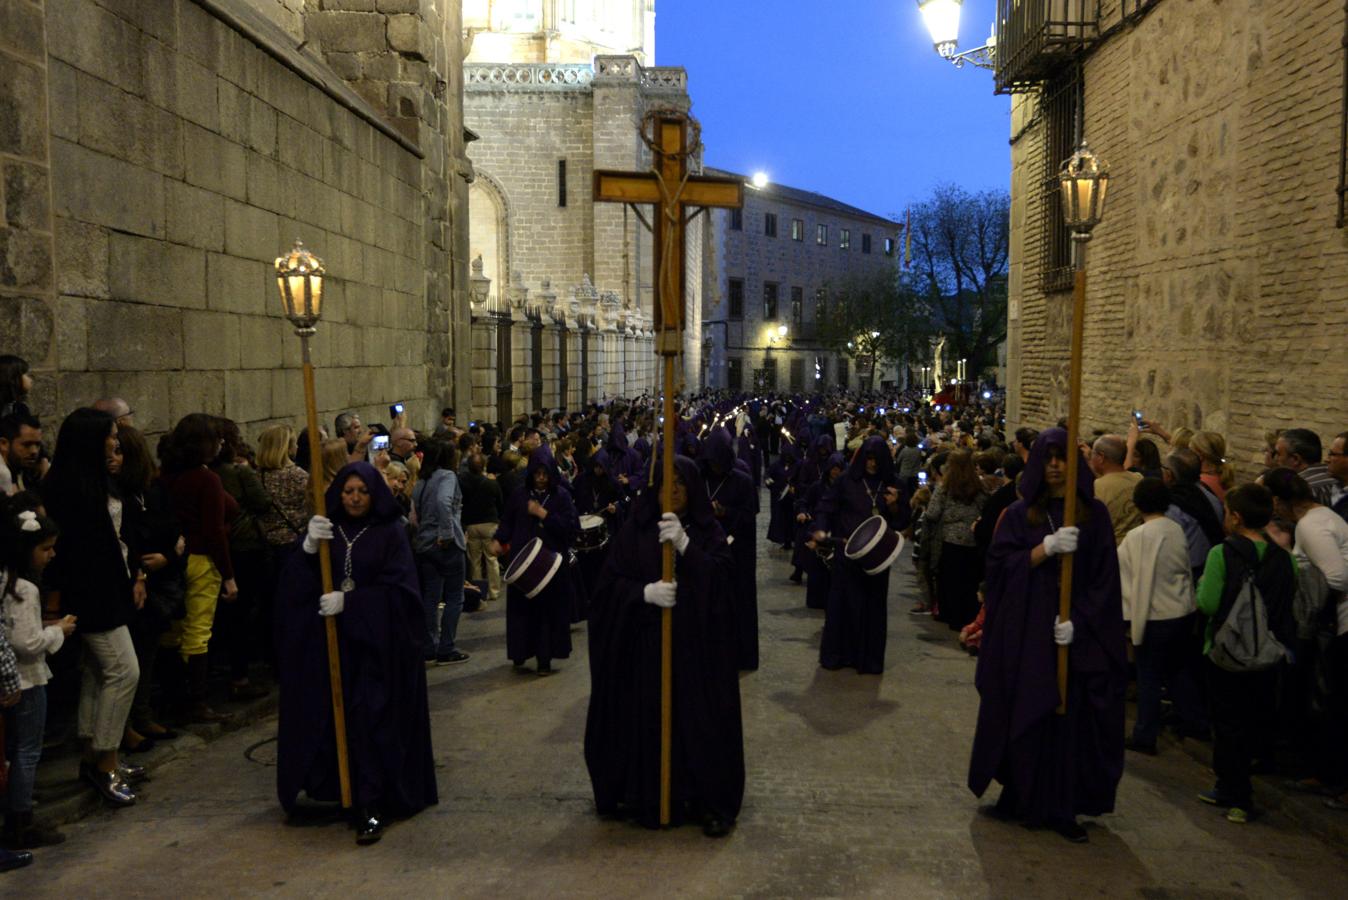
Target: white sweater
column 1155, row 575
column 1322, row 541
column 32, row 642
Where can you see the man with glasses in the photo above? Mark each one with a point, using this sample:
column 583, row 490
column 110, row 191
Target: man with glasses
column 402, row 444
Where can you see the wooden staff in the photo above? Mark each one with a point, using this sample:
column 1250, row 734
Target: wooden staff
column 1069, row 515
column 325, row 572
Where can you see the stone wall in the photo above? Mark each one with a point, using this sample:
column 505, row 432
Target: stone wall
column 1216, row 279
column 159, row 157
column 755, row 258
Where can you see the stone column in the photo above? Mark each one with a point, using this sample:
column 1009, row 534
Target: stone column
column 521, row 347
column 30, row 317
column 483, row 369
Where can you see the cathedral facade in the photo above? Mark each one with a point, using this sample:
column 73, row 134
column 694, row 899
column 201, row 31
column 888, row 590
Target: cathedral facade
column 562, row 286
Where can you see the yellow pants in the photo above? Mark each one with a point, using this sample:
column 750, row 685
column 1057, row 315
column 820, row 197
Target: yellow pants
column 192, row 632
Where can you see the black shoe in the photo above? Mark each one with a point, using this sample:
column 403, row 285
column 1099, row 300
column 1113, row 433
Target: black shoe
column 450, row 659
column 546, row 669
column 1073, row 832
column 369, row 829
column 11, row 860
column 130, row 771
column 796, row 577
column 716, row 827
column 168, row 734
column 1138, row 747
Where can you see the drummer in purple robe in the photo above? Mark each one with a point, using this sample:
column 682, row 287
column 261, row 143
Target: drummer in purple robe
column 622, row 727
column 857, row 617
column 381, row 630
column 1052, row 767
column 734, row 503
column 818, row 573
column 539, row 627
column 596, row 493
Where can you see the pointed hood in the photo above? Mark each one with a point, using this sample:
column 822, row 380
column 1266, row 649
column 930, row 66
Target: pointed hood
column 383, row 507
column 873, row 446
column 1031, row 482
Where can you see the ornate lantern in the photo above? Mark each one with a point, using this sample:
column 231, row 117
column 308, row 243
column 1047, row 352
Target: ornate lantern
column 1084, row 181
column 299, row 278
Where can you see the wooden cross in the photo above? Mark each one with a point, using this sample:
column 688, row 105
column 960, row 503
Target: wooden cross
column 672, row 190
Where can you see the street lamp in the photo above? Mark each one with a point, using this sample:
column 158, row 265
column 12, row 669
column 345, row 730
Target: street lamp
column 760, row 180
column 299, row 279
column 781, row 331
column 943, row 22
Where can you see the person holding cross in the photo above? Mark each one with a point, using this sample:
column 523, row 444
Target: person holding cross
column 1053, row 765
column 622, row 727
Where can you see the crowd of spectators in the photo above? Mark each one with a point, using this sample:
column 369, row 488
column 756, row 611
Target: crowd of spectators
column 138, row 581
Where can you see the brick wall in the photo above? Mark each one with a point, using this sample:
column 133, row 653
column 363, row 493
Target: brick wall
column 182, row 159
column 1216, row 279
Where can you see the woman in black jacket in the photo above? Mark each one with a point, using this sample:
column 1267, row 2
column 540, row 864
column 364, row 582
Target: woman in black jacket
column 99, row 580
column 158, row 539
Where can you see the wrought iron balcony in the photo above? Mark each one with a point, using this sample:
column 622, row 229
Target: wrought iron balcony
column 1036, row 38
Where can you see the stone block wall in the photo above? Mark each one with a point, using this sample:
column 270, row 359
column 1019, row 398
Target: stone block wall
column 162, row 156
column 1215, row 282
column 521, row 138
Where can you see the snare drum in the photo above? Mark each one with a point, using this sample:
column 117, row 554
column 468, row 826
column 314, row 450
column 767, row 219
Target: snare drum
column 593, row 534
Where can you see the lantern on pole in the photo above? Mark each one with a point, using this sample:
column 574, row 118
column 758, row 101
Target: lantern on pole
column 1083, row 182
column 299, row 279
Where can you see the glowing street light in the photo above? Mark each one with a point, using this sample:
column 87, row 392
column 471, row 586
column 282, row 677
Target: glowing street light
column 942, row 18
column 760, row 180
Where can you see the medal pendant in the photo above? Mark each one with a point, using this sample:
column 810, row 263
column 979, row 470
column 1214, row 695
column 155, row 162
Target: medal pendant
column 875, row 510
column 348, row 584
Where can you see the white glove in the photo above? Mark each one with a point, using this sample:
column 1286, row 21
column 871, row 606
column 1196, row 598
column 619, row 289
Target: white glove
column 660, row 593
column 671, row 532
column 1064, row 540
column 320, row 529
column 1062, row 632
column 333, row 602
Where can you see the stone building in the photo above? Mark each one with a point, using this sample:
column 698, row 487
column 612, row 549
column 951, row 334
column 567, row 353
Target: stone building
column 774, row 261
column 159, row 155
column 1216, row 280
column 554, row 91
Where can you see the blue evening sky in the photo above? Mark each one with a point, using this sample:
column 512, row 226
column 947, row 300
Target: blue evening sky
column 843, row 97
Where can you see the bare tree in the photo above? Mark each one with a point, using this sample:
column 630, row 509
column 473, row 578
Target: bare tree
column 960, row 246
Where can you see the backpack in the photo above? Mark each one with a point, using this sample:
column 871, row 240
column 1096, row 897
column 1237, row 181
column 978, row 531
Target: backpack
column 1244, row 642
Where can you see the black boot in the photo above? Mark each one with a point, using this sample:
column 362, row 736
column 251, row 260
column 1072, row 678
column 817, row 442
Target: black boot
column 197, row 675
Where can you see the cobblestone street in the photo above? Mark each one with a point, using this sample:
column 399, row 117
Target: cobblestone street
column 855, row 787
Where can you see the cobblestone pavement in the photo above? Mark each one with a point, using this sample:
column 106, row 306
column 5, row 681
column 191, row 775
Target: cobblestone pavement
column 855, row 787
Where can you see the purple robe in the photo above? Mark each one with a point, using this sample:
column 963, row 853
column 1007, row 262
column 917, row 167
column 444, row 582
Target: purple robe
column 733, row 489
column 622, row 726
column 540, row 627
column 1054, row 767
column 380, row 634
column 856, row 621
